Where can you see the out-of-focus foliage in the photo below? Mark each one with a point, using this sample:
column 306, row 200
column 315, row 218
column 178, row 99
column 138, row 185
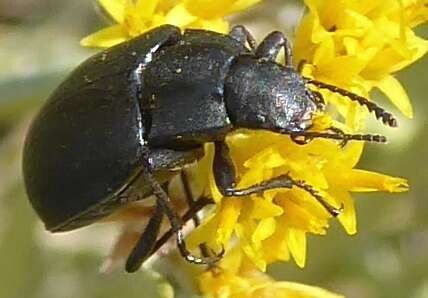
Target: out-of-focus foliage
column 39, row 44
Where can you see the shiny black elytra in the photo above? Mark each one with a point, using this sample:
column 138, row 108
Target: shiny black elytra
column 122, row 124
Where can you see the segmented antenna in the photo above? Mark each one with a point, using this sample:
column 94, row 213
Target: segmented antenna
column 387, row 118
column 305, row 137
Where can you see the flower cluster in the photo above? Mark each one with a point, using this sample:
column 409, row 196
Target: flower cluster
column 136, row 17
column 357, row 45
column 360, row 44
column 239, row 279
column 354, row 44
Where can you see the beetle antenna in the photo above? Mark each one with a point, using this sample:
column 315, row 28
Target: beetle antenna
column 386, row 117
column 335, row 133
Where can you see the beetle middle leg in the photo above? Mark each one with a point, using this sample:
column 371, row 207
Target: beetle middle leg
column 164, row 202
column 190, row 202
column 269, row 48
column 193, row 210
column 225, row 177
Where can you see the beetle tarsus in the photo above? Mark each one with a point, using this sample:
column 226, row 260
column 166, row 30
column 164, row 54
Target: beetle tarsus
column 189, row 257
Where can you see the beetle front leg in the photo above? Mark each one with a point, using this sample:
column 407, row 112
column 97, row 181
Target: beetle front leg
column 269, row 48
column 241, row 34
column 224, row 175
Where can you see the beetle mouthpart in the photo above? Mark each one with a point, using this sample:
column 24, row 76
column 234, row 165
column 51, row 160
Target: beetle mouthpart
column 380, row 113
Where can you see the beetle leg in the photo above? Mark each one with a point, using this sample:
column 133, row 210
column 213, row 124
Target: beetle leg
column 147, row 241
column 176, row 223
column 241, row 34
column 223, row 169
column 224, row 175
column 190, row 201
column 194, row 209
column 269, row 48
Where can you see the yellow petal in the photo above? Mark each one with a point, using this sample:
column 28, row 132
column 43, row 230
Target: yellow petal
column 228, row 216
column 267, row 158
column 210, row 9
column 240, row 5
column 253, row 250
column 348, row 217
column 264, row 229
column 276, row 247
column 115, row 8
column 396, row 93
column 366, row 181
column 264, row 209
column 146, row 8
column 307, row 215
column 297, row 245
column 296, row 290
column 352, row 154
column 106, row 37
column 204, row 233
column 217, row 25
column 179, row 16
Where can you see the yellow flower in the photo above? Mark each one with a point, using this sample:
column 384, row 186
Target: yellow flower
column 355, row 44
column 237, row 278
column 370, row 40
column 273, row 227
column 135, row 17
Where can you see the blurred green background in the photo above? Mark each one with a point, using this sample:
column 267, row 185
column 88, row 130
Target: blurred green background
column 39, row 45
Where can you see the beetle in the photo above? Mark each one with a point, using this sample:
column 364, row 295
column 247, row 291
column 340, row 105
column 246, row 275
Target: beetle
column 122, row 124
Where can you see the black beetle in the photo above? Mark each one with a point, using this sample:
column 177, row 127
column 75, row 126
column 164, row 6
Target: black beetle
column 123, row 123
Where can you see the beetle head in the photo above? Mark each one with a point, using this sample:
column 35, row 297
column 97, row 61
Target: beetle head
column 263, row 94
